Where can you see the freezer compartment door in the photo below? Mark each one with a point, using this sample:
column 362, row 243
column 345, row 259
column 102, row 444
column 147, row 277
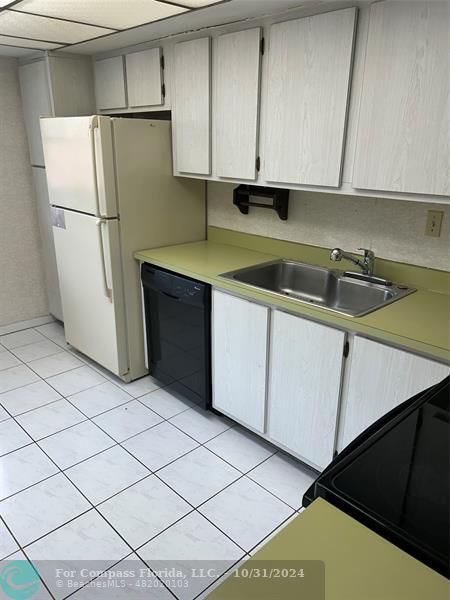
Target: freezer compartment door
column 89, row 269
column 79, row 163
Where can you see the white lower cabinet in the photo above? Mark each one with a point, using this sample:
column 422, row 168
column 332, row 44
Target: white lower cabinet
column 304, row 386
column 239, row 359
column 379, row 379
column 286, row 378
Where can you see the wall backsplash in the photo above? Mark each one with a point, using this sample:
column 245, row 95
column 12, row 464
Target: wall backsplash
column 22, row 291
column 393, row 229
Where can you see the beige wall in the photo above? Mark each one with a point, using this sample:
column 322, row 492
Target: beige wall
column 394, row 229
column 22, row 293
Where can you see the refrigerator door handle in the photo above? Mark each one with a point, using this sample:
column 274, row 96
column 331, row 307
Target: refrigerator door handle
column 99, row 171
column 107, row 290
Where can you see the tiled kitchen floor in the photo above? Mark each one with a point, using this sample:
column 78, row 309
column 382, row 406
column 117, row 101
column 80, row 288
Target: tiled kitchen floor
column 95, row 469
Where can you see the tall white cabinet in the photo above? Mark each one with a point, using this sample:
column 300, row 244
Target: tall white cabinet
column 52, row 85
column 236, row 76
column 302, row 401
column 47, row 242
column 36, row 103
column 192, row 107
column 380, row 378
column 309, row 66
column 403, row 128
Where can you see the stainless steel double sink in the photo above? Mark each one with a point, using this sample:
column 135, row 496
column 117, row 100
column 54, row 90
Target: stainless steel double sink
column 347, row 293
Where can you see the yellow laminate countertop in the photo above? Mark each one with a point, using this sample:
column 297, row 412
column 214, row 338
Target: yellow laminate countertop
column 358, row 563
column 419, row 322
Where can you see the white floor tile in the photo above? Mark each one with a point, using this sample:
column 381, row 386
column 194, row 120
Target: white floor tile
column 200, row 424
column 75, row 444
column 144, row 510
column 3, row 414
column 99, row 399
column 49, row 419
column 43, row 507
column 241, row 448
column 22, row 468
column 140, row 386
column 160, row 445
column 35, row 351
column 51, row 330
column 198, row 475
column 87, row 538
column 125, row 421
column 189, row 544
column 7, row 544
column 77, row 380
column 16, row 377
column 21, row 338
column 12, row 437
column 133, row 590
column 166, row 402
column 284, row 477
column 37, row 591
column 28, row 397
column 27, row 324
column 8, row 360
column 246, row 512
column 55, row 364
column 105, row 474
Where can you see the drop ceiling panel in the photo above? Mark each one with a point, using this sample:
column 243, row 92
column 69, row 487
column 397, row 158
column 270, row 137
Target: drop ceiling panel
column 118, row 14
column 14, row 52
column 42, row 28
column 25, row 43
column 218, row 14
column 198, row 3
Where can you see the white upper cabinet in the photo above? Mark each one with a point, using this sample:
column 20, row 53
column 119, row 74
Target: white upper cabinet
column 144, row 78
column 403, row 129
column 191, row 107
column 236, row 75
column 239, row 359
column 36, row 102
column 381, row 378
column 110, row 83
column 307, row 88
column 306, row 361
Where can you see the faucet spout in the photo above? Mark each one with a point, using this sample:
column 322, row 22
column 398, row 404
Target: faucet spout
column 366, row 263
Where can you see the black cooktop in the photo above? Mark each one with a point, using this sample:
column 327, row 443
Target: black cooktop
column 395, row 479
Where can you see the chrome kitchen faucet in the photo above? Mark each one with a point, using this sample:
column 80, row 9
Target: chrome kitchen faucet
column 366, row 264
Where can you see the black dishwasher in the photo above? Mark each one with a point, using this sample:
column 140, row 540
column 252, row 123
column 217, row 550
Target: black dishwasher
column 178, row 331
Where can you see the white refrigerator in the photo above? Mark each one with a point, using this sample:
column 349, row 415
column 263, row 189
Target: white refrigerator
column 112, row 192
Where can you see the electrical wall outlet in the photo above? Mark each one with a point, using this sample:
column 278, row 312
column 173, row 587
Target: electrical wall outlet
column 434, row 223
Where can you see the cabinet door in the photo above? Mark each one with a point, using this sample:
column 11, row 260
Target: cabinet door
column 236, row 77
column 239, row 355
column 144, row 78
column 304, row 386
column 191, row 107
column 307, row 90
column 72, row 83
column 402, row 134
column 36, row 103
column 110, row 83
column 47, row 242
column 381, row 378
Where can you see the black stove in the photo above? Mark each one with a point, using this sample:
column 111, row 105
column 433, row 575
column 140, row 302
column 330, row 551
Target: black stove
column 394, row 478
